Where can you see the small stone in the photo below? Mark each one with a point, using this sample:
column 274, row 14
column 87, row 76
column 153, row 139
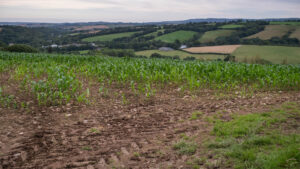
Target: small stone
column 68, row 115
column 35, row 148
column 185, row 97
column 23, row 155
column 90, row 167
column 102, row 163
column 184, row 157
column 17, row 155
column 124, row 151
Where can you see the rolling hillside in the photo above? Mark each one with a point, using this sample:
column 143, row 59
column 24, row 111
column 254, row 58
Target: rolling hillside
column 110, row 37
column 211, row 36
column 272, row 31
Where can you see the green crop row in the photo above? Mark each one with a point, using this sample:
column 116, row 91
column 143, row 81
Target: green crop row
column 56, row 77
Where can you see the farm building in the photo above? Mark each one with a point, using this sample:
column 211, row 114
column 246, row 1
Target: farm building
column 54, row 46
column 166, row 49
column 183, row 46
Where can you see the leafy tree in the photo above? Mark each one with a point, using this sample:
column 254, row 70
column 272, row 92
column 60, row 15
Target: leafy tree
column 21, row 48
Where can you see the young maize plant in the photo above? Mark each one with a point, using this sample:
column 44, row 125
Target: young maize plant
column 53, row 78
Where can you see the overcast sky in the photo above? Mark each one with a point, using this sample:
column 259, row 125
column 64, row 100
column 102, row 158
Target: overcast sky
column 143, row 10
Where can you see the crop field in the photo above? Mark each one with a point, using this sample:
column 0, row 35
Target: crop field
column 178, row 35
column 110, row 37
column 272, row 31
column 211, row 36
column 273, row 54
column 181, row 54
column 296, row 33
column 75, row 111
column 285, row 23
column 231, row 26
column 225, row 49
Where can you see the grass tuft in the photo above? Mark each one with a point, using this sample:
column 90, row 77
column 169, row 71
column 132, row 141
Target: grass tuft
column 185, row 147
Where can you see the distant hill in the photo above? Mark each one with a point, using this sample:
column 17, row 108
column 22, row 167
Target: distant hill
column 118, row 24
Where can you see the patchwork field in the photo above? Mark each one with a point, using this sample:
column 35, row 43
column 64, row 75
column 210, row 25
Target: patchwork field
column 181, row 54
column 110, row 37
column 178, row 35
column 243, row 53
column 272, row 31
column 226, row 49
column 211, row 36
column 231, row 26
column 274, row 54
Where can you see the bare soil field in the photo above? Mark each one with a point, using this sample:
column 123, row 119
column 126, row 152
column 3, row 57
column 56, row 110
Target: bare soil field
column 113, row 133
column 225, row 49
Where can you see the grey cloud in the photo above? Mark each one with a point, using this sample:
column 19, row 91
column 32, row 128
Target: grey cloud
column 146, row 10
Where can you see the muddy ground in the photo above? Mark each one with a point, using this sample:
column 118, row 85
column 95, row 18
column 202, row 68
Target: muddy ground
column 113, row 133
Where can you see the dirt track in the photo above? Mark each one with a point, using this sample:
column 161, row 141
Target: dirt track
column 108, row 134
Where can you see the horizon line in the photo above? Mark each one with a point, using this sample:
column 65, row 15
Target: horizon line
column 64, row 22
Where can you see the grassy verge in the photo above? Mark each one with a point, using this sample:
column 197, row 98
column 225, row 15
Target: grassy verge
column 266, row 140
